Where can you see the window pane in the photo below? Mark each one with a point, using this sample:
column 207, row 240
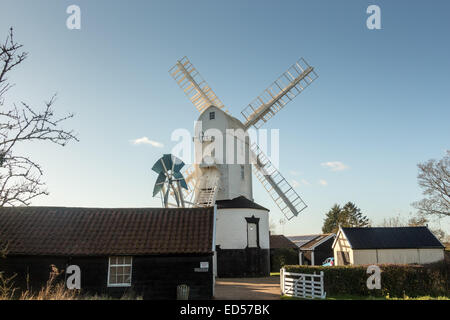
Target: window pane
column 120, row 270
column 112, row 277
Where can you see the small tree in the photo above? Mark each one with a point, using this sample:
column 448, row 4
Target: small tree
column 333, row 219
column 347, row 216
column 355, row 216
column 434, row 179
column 20, row 176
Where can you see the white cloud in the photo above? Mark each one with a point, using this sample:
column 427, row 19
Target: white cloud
column 145, row 140
column 323, row 182
column 335, row 165
column 296, row 183
column 305, row 182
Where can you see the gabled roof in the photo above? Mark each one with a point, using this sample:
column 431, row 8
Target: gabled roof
column 304, row 239
column 239, row 202
column 278, row 241
column 391, row 238
column 95, row 231
column 311, row 245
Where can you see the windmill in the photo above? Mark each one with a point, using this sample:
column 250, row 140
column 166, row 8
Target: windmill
column 170, row 181
column 206, row 182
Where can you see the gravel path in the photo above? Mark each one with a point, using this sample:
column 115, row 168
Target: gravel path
column 267, row 288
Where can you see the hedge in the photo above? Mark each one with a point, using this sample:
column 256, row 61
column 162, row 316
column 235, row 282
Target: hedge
column 396, row 280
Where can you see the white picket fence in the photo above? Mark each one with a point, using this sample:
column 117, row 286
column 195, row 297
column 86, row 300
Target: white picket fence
column 302, row 285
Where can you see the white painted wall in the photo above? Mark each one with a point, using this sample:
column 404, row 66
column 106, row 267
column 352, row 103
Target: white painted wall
column 398, row 256
column 341, row 244
column 231, row 184
column 231, row 228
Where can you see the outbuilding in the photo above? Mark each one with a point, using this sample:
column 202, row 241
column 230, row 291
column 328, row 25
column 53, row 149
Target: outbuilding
column 242, row 238
column 314, row 249
column 282, row 252
column 400, row 245
column 147, row 251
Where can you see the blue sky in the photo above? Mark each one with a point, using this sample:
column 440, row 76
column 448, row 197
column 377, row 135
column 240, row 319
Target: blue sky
column 380, row 105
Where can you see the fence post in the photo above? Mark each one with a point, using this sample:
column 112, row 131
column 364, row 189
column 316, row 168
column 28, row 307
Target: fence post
column 295, row 289
column 304, row 285
column 322, row 285
column 282, row 280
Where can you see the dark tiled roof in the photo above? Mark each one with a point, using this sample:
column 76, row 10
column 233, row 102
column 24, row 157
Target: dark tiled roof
column 280, row 241
column 94, row 231
column 239, row 202
column 391, row 238
column 302, row 240
column 311, row 244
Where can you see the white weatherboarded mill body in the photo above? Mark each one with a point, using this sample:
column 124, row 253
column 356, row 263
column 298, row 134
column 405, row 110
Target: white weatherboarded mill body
column 223, row 178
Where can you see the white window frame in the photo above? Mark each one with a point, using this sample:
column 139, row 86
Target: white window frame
column 120, row 265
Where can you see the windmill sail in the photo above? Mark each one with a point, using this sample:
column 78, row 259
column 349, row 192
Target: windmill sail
column 194, row 86
column 291, row 83
column 276, row 185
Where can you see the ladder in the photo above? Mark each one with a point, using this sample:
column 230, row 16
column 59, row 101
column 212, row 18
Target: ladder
column 284, row 195
column 207, row 188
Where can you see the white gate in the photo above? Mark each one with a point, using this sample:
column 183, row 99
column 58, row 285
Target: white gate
column 302, row 285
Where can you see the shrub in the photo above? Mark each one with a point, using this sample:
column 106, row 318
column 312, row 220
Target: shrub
column 396, row 280
column 53, row 290
column 282, row 256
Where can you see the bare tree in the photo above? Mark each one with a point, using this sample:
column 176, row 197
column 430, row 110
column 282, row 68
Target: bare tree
column 272, row 227
column 21, row 177
column 393, row 222
column 414, row 221
column 434, row 179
